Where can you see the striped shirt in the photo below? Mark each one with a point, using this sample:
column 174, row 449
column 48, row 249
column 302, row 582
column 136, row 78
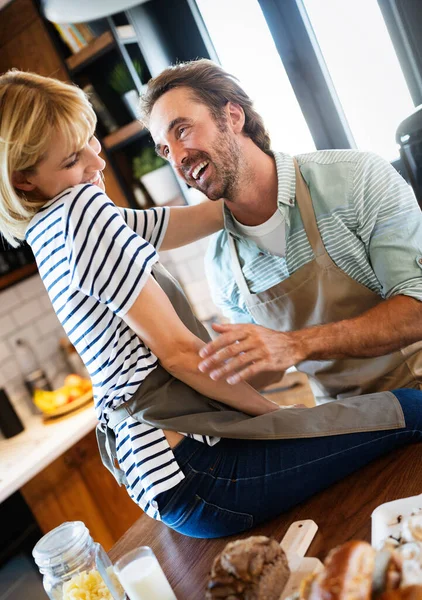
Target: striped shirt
column 94, row 259
column 369, row 221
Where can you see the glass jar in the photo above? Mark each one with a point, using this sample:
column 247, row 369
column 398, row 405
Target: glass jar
column 71, row 562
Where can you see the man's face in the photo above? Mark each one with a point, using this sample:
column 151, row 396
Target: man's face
column 205, row 153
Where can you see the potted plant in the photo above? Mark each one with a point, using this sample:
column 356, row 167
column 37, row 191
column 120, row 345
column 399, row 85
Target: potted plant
column 156, row 175
column 121, row 82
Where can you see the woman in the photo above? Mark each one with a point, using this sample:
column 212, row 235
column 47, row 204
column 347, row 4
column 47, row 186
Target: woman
column 140, row 342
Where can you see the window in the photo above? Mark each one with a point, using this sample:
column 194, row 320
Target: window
column 364, row 68
column 246, row 49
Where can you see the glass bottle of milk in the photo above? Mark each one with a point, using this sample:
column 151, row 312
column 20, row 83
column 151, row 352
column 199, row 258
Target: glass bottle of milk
column 141, row 576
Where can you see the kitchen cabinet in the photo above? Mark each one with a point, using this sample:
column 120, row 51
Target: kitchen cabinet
column 26, row 44
column 76, row 486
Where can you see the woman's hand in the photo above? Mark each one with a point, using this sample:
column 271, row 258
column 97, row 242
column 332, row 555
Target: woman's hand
column 242, row 351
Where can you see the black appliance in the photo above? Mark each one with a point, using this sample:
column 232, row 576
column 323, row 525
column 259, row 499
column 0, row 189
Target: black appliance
column 10, row 424
column 12, row 259
column 409, row 139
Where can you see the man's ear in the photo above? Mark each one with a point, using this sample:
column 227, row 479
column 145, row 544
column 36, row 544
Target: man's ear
column 236, row 116
column 20, row 182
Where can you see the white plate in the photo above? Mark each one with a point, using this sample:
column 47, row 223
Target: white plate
column 386, row 518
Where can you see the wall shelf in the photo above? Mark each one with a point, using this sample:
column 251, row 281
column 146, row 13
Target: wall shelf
column 17, row 275
column 93, row 50
column 125, row 134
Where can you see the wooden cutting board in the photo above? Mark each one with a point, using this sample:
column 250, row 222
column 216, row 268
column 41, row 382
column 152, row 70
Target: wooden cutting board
column 295, row 544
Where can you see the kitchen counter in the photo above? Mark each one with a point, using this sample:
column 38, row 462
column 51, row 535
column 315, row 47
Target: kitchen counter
column 342, row 512
column 25, row 455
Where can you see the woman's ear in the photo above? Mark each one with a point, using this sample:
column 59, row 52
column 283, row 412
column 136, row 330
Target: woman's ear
column 20, row 181
column 236, row 116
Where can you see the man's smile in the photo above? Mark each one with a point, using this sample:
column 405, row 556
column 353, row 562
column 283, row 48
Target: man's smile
column 199, row 169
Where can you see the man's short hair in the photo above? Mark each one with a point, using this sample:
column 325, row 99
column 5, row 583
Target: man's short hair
column 211, row 85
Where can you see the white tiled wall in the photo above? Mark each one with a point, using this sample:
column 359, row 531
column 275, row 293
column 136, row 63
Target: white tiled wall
column 26, row 312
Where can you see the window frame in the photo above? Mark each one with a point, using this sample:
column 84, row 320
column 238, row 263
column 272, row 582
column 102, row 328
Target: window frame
column 299, row 51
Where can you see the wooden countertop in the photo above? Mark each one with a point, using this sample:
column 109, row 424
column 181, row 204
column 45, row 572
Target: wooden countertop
column 342, row 512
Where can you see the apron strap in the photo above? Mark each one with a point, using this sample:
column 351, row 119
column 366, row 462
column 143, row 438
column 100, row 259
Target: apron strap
column 307, row 212
column 237, row 269
column 106, row 441
column 306, row 208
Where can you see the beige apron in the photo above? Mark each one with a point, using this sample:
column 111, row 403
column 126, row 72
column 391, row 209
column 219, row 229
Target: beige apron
column 165, row 402
column 319, row 293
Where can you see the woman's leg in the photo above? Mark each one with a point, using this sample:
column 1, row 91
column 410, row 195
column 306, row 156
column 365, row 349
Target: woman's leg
column 239, row 483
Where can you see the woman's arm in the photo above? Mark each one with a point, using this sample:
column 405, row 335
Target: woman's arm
column 154, row 320
column 190, row 223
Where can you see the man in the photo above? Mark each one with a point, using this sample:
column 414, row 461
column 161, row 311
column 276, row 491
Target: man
column 320, row 260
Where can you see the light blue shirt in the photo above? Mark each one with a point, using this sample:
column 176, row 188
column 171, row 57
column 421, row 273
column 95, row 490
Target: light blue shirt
column 369, row 221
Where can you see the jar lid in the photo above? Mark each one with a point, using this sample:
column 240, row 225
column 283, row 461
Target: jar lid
column 54, row 545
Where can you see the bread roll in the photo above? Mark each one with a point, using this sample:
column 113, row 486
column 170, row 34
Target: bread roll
column 347, row 574
column 410, row 592
column 255, row 568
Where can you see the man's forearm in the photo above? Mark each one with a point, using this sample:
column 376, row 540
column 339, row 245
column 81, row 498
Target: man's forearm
column 245, row 351
column 389, row 326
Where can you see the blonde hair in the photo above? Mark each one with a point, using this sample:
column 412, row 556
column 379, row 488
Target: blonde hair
column 211, row 85
column 32, row 109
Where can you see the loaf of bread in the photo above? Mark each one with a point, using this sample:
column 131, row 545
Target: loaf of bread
column 255, row 568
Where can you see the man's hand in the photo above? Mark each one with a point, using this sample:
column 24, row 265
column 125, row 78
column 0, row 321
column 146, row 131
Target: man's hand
column 242, row 351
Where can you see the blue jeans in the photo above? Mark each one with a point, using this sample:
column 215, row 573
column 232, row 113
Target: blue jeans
column 237, row 484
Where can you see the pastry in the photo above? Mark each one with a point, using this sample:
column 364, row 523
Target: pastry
column 255, row 568
column 347, row 574
column 410, row 592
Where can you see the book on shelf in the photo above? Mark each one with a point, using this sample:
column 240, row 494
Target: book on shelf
column 125, row 32
column 85, row 31
column 100, row 108
column 75, row 36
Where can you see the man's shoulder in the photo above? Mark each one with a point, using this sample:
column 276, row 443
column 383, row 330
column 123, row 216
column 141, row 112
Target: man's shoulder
column 332, row 157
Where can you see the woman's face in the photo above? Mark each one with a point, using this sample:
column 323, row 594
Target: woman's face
column 60, row 170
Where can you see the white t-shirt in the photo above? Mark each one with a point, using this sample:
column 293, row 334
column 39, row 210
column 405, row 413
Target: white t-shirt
column 269, row 236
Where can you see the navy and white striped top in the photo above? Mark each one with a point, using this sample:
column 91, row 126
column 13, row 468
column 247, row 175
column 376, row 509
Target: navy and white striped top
column 94, row 258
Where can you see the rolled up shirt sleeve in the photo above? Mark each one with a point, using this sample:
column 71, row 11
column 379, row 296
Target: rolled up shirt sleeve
column 390, row 224
column 108, row 260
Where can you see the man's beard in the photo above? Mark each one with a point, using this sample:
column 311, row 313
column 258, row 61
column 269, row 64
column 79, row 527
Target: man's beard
column 225, row 159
